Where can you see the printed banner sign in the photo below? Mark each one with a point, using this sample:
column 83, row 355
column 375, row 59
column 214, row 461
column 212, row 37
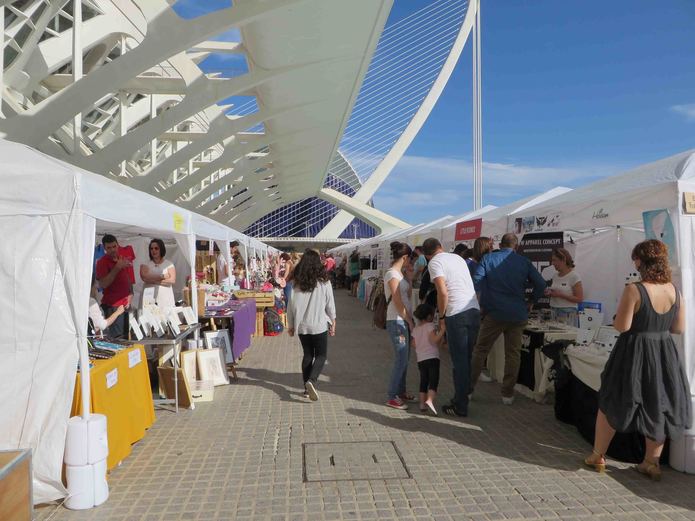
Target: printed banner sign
column 467, row 230
column 538, row 248
column 537, row 223
column 658, row 225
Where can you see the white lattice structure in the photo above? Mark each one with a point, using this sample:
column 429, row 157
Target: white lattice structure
column 293, row 141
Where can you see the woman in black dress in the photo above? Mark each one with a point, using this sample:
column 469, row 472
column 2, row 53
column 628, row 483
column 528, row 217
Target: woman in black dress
column 643, row 386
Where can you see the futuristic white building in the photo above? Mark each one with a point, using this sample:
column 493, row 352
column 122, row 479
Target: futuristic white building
column 277, row 117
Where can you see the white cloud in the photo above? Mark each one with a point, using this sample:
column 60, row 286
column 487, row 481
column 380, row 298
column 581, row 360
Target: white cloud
column 425, row 188
column 687, row 110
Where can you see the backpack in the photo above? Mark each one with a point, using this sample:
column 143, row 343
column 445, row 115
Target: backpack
column 380, row 307
column 272, row 325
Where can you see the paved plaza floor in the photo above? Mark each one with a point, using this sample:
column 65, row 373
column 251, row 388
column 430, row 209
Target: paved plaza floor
column 261, row 451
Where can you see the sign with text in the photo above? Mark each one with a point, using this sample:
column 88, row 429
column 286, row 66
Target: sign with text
column 538, row 248
column 467, row 230
column 689, row 202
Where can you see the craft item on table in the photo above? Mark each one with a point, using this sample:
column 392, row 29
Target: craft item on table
column 166, row 378
column 590, row 319
column 152, row 320
column 134, row 326
column 220, row 340
column 585, row 336
column 211, row 366
column 189, row 315
column 111, row 346
column 606, row 337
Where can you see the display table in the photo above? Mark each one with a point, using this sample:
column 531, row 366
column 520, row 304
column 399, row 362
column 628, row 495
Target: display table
column 120, row 390
column 169, row 350
column 242, row 323
column 534, row 368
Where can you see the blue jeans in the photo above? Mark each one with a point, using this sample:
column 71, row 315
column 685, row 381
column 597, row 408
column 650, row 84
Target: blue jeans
column 400, row 339
column 287, row 291
column 461, row 334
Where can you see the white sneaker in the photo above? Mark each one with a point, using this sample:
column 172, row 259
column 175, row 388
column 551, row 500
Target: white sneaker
column 313, row 395
column 484, row 377
column 507, row 400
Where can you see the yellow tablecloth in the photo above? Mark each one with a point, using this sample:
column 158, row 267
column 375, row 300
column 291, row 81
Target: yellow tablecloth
column 120, row 390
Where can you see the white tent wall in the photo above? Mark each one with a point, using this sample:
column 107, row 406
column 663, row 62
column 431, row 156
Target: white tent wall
column 603, row 262
column 43, row 308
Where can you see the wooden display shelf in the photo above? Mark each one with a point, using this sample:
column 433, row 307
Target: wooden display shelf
column 16, row 501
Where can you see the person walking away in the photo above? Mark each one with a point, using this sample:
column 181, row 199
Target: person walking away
column 354, row 264
column 644, row 388
column 399, row 323
column 113, row 277
column 311, row 315
column 501, row 278
column 566, row 290
column 426, row 340
column 459, row 315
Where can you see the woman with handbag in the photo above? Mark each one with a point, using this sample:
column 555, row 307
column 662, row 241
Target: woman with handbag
column 311, row 315
column 399, row 324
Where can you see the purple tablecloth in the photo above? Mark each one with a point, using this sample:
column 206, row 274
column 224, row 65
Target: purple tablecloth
column 243, row 326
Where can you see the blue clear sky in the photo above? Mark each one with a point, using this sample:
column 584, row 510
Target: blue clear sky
column 572, row 91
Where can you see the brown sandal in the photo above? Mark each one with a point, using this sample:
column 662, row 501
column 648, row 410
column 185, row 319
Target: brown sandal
column 598, row 466
column 652, row 470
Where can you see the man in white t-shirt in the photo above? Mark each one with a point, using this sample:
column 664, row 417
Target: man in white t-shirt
column 459, row 313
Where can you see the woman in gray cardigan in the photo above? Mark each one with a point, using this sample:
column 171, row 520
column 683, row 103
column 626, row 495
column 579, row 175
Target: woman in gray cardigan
column 311, row 314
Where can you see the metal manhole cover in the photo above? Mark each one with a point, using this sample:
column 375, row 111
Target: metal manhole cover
column 353, row 461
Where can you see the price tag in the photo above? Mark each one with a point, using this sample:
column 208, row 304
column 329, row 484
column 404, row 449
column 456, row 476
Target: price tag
column 111, row 378
column 134, row 358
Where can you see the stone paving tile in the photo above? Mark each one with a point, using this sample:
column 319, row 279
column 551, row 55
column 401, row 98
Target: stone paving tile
column 240, row 457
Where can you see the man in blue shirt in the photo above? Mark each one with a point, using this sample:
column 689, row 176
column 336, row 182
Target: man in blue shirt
column 502, row 278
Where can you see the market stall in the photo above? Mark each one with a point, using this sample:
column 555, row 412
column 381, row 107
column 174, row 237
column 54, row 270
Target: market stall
column 50, row 214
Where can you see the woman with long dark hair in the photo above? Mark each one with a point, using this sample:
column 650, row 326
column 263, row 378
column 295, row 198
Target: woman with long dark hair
column 311, row 314
column 643, row 386
column 399, row 324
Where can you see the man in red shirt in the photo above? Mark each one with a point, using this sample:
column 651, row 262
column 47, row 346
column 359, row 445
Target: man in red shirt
column 113, row 277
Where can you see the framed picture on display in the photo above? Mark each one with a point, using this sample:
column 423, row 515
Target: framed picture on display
column 211, row 366
column 220, row 340
column 189, row 364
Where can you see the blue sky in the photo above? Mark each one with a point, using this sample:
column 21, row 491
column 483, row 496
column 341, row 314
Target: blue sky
column 572, row 91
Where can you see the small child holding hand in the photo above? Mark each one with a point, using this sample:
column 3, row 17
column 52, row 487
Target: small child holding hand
column 427, row 341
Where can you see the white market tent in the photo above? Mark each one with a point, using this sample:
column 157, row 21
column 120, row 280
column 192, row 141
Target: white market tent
column 49, row 216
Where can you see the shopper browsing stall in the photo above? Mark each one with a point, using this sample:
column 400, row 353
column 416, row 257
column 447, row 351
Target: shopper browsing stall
column 502, row 277
column 644, row 388
column 159, row 276
column 113, row 274
column 426, row 340
column 311, row 315
column 459, row 315
column 399, row 323
column 99, row 323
